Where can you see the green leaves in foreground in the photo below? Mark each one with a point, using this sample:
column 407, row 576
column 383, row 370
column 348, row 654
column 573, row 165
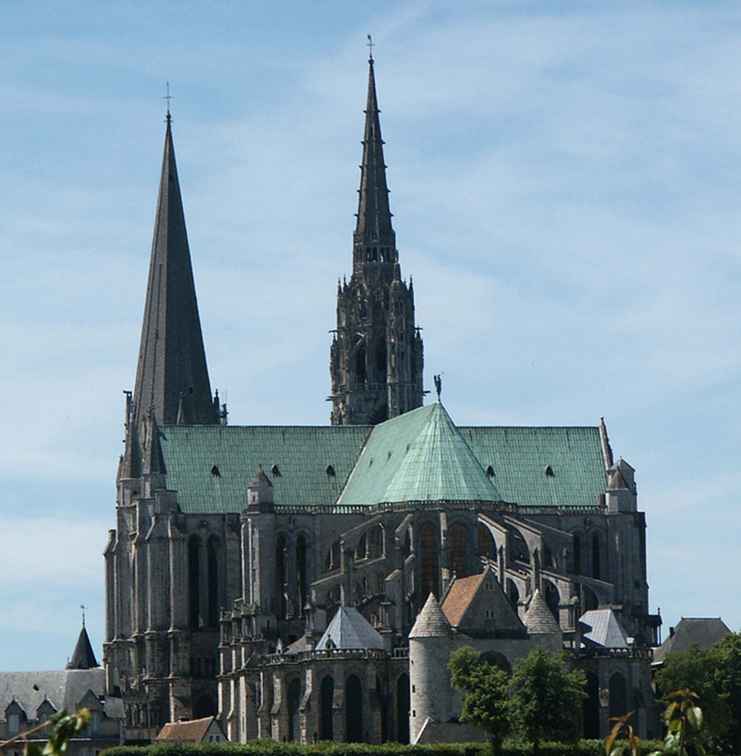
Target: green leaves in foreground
column 62, row 728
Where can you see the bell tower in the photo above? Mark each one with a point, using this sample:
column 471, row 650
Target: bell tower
column 376, row 357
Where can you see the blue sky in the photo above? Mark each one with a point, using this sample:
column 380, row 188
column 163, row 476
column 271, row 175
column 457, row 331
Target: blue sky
column 565, row 186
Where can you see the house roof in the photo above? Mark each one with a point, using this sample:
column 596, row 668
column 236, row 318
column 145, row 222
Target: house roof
column 538, row 618
column 430, row 622
column 190, row 731
column 64, row 689
column 349, row 629
column 703, row 632
column 604, row 628
column 420, row 453
column 459, row 597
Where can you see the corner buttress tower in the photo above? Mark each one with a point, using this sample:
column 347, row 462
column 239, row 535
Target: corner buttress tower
column 376, row 357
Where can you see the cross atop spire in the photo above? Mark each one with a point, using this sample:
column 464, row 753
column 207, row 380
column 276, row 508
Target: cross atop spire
column 167, row 98
column 371, row 45
column 374, row 238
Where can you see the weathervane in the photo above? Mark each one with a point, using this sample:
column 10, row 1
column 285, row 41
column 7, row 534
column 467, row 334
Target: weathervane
column 371, row 44
column 83, row 607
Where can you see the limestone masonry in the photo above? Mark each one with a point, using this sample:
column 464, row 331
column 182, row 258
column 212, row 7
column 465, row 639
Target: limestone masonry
column 307, row 583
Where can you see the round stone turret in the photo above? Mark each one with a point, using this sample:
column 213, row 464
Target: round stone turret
column 429, row 649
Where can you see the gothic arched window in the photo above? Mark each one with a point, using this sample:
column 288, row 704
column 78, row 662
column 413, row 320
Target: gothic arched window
column 457, row 541
column 430, row 564
column 194, row 579
column 360, row 368
column 596, row 566
column 302, row 571
column 213, row 581
column 280, row 576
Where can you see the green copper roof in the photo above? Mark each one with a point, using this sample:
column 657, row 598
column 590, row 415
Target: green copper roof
column 295, row 458
column 520, row 458
column 418, row 456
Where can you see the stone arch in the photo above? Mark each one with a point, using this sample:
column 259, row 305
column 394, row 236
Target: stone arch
column 403, row 702
column 212, row 561
column 552, row 598
column 591, row 707
column 353, row 709
column 589, row 599
column 194, row 580
column 519, row 550
column 430, row 564
column 293, row 697
column 326, row 709
column 487, row 546
column 458, row 549
column 618, row 695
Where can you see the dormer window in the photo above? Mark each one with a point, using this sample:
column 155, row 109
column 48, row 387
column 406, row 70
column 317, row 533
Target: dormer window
column 549, row 472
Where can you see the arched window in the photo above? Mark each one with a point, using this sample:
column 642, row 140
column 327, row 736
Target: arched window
column 375, row 542
column 194, row 579
column 430, row 582
column 552, row 598
column 294, row 700
column 326, row 714
column 302, row 572
column 618, row 695
column 360, row 368
column 402, row 709
column 596, row 566
column 577, row 554
column 353, row 710
column 381, row 361
column 280, row 576
column 361, row 550
column 487, row 545
column 212, row 620
column 457, row 541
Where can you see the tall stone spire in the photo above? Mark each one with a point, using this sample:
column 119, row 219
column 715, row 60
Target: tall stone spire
column 374, row 238
column 172, row 381
column 376, row 357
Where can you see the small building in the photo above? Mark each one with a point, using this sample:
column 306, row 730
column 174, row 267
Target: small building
column 702, row 632
column 205, row 730
column 28, row 699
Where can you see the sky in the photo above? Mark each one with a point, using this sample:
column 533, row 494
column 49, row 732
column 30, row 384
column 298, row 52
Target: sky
column 565, row 188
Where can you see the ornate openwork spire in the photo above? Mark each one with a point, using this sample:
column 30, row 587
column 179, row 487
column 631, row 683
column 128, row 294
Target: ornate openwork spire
column 374, row 238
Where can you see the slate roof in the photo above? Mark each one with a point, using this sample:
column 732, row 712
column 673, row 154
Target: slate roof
column 349, row 629
column 190, row 731
column 430, row 622
column 63, row 688
column 703, row 632
column 172, row 359
column 605, row 628
column 83, row 657
column 420, row 453
column 538, row 618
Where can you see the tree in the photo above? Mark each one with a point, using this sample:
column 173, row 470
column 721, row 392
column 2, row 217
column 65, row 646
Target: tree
column 62, row 728
column 715, row 676
column 484, row 686
column 545, row 698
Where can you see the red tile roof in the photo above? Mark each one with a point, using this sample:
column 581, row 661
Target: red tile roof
column 190, row 731
column 460, row 596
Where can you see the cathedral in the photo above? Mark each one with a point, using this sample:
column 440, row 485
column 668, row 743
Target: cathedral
column 306, row 583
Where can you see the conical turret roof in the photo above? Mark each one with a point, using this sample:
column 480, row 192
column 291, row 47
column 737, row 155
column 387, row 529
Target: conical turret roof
column 538, row 619
column 431, row 622
column 83, row 657
column 172, row 378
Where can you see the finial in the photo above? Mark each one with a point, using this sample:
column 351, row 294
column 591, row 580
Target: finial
column 167, row 98
column 438, row 386
column 370, row 44
column 82, row 608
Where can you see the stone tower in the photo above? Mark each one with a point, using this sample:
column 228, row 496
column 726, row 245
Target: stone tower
column 429, row 649
column 376, row 358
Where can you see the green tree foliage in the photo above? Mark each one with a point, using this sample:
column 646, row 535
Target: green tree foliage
column 62, row 727
column 485, row 695
column 715, row 676
column 546, row 698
